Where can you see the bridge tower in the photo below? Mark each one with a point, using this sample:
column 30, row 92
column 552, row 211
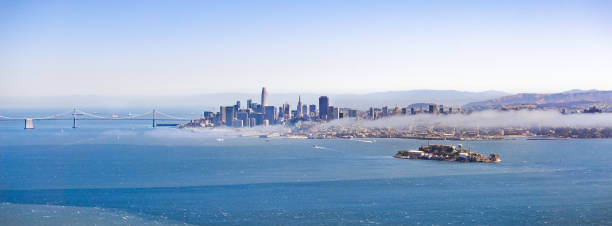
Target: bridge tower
column 29, row 123
column 74, row 114
column 154, row 124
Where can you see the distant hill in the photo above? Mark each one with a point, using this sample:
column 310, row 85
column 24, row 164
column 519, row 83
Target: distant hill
column 405, row 98
column 572, row 99
column 214, row 100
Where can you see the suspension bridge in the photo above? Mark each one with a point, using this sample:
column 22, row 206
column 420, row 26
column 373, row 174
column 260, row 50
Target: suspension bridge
column 77, row 114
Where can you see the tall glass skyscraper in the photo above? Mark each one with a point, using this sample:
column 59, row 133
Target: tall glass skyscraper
column 323, row 107
column 264, row 98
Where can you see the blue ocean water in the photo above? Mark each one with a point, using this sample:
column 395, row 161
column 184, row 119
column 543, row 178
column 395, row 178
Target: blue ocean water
column 124, row 172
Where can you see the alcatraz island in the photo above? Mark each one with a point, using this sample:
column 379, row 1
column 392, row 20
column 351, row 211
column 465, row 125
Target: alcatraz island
column 449, row 153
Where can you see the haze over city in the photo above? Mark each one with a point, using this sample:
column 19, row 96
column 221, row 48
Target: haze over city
column 156, row 48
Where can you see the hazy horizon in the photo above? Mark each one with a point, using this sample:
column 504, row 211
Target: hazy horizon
column 211, row 101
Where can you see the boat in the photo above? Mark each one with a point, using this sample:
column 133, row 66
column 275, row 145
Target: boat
column 220, row 139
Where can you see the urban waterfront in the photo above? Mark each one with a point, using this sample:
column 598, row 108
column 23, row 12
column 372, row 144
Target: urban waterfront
column 129, row 172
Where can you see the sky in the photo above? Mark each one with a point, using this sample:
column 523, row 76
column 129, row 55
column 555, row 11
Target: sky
column 153, row 48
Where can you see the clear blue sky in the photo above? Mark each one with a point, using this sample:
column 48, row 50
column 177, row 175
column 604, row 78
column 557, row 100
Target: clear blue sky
column 145, row 48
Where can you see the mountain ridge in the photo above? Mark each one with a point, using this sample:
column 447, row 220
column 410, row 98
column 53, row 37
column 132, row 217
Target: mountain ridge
column 573, row 99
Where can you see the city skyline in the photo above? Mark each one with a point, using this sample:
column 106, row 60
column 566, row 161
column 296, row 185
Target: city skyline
column 154, row 48
column 262, row 114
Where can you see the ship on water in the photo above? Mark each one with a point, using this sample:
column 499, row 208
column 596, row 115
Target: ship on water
column 449, row 153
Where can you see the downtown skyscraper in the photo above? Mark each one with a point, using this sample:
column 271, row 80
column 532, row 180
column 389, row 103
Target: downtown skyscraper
column 300, row 110
column 323, row 107
column 264, row 98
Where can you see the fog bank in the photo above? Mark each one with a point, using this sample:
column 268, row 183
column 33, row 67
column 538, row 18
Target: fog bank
column 487, row 119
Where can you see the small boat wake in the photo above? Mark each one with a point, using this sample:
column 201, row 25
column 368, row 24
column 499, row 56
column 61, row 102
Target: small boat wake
column 365, row 141
column 324, row 148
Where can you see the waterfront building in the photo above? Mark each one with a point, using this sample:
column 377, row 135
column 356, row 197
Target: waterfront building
column 433, row 109
column 285, row 111
column 237, row 123
column 229, row 115
column 305, row 112
column 259, row 117
column 249, row 102
column 313, row 110
column 256, row 107
column 396, row 111
column 270, row 114
column 218, row 120
column 385, row 111
column 209, row 115
column 333, row 113
column 237, row 106
column 244, row 116
column 352, row 113
column 323, row 107
column 222, row 115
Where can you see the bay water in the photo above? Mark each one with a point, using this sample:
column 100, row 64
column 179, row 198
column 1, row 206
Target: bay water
column 125, row 172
